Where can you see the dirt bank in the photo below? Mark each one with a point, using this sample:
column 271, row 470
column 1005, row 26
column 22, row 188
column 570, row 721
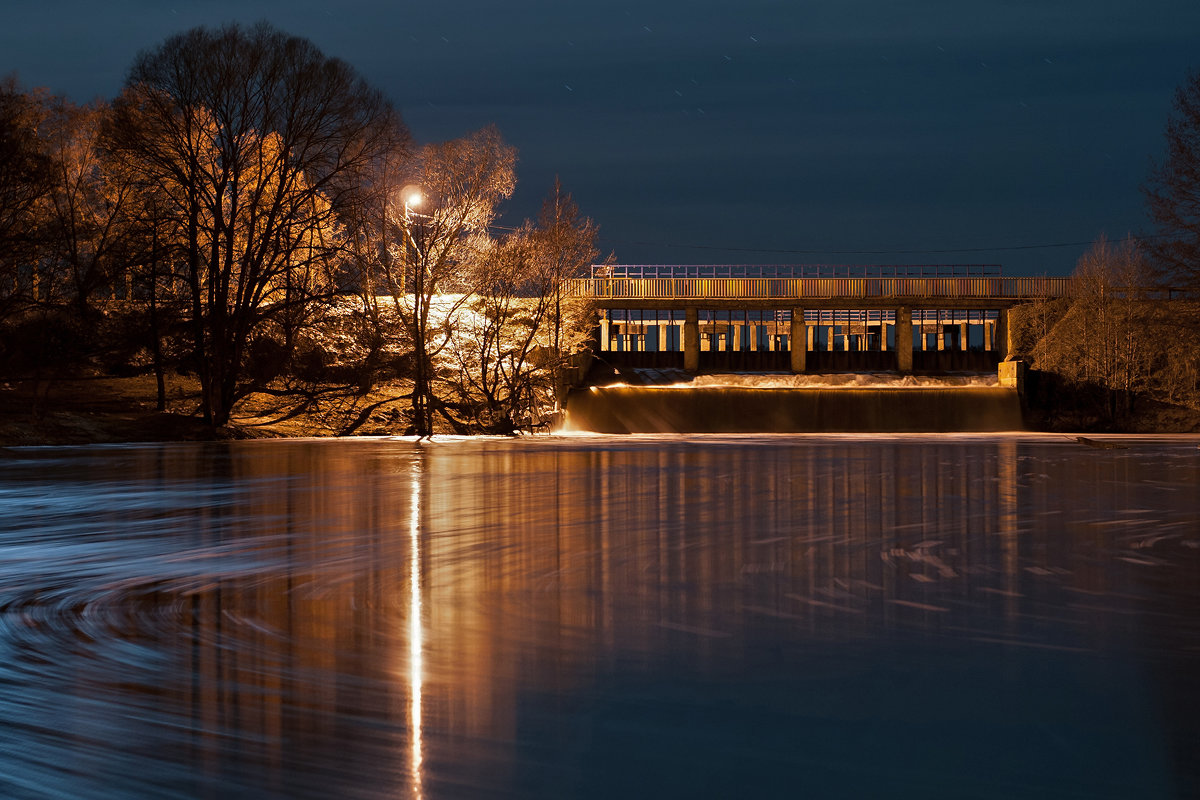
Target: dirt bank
column 93, row 408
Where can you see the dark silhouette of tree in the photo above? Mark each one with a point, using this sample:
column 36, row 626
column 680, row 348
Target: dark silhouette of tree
column 87, row 224
column 26, row 172
column 256, row 141
column 1173, row 191
column 155, row 244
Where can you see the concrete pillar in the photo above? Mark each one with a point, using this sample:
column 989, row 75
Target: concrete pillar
column 812, row 337
column 904, row 340
column 605, row 344
column 964, row 340
column 798, row 340
column 1011, row 374
column 1003, row 336
column 691, row 340
column 736, row 337
column 594, row 335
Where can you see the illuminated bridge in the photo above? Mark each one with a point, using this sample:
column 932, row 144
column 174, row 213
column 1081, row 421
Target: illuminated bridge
column 808, row 318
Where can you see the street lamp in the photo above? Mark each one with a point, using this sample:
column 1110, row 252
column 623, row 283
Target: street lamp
column 412, row 197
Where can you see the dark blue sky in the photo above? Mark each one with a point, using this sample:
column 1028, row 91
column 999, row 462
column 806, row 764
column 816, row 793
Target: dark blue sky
column 750, row 132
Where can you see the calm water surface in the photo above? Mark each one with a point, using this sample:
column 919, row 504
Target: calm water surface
column 805, row 616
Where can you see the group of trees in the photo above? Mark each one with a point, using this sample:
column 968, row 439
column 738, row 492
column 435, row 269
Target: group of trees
column 1133, row 328
column 1125, row 333
column 241, row 185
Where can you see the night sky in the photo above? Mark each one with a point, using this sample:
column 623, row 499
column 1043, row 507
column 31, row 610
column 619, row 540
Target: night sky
column 845, row 131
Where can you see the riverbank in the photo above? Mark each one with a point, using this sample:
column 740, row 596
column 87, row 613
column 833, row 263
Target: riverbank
column 92, row 408
column 98, row 409
column 1055, row 404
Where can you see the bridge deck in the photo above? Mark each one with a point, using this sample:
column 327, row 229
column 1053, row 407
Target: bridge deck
column 860, row 292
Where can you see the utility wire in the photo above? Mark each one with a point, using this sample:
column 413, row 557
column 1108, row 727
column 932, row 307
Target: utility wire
column 936, row 251
column 874, row 252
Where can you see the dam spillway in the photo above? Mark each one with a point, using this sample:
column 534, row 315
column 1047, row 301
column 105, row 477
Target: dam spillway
column 810, row 409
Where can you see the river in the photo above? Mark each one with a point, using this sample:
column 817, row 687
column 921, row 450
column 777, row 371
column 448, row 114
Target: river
column 984, row 616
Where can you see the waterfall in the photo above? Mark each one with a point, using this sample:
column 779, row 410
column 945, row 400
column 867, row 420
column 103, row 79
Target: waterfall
column 813, row 408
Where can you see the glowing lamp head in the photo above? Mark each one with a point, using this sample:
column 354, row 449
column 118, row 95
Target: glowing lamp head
column 412, row 196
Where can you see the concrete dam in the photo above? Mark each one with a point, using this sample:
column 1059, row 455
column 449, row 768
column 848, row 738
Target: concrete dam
column 802, row 348
column 931, row 406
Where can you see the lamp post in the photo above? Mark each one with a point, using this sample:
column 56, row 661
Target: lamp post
column 411, row 197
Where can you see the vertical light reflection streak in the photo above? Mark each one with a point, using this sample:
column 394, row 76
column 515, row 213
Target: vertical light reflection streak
column 415, row 633
column 1009, row 524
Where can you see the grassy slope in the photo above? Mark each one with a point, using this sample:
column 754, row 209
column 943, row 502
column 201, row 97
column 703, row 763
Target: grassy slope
column 84, row 409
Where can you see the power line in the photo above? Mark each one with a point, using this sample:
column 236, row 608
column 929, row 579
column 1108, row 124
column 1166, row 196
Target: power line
column 939, row 251
column 932, row 251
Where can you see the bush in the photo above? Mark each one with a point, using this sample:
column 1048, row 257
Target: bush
column 49, row 339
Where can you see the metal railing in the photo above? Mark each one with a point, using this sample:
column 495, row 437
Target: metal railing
column 962, row 288
column 795, row 271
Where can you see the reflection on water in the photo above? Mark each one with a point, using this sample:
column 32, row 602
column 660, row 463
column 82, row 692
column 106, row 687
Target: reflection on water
column 601, row 617
column 416, row 634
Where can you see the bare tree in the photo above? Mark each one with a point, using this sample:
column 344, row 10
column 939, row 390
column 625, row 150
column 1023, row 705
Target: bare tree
column 1173, row 190
column 373, row 229
column 1109, row 335
column 154, row 247
column 567, row 245
column 26, row 172
column 87, row 221
column 462, row 182
column 1173, row 196
column 257, row 140
column 521, row 333
column 494, row 334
